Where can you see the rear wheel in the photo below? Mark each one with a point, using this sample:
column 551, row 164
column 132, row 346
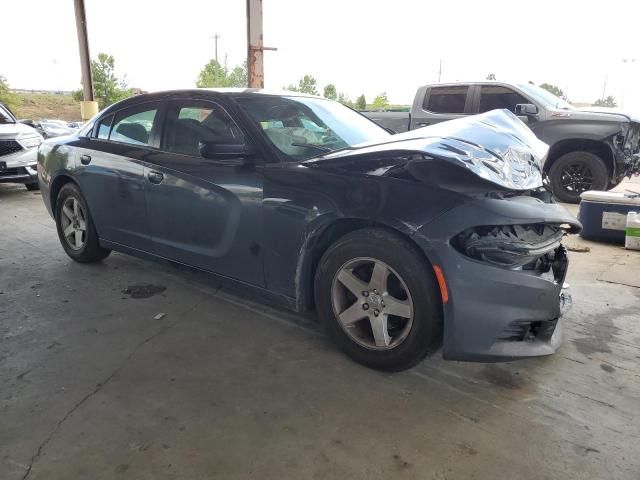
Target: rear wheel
column 75, row 226
column 576, row 172
column 378, row 300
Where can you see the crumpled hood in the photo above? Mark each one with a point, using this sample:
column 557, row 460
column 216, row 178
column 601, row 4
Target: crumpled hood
column 495, row 146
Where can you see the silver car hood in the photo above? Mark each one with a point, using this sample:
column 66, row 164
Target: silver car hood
column 496, row 146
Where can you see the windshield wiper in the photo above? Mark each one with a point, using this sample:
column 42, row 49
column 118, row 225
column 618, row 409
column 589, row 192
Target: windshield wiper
column 311, row 145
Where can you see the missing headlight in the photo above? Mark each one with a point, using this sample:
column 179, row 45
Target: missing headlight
column 511, row 246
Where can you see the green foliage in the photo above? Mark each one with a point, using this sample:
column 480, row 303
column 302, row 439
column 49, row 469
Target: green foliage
column 361, row 102
column 606, row 102
column 330, row 92
column 343, row 99
column 215, row 75
column 108, row 88
column 7, row 97
column 306, row 84
column 380, row 102
column 557, row 91
column 491, row 76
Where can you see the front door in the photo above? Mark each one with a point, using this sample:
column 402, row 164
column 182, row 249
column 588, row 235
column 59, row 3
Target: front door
column 204, row 213
column 110, row 171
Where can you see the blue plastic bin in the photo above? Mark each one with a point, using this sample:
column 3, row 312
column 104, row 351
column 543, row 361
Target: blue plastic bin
column 604, row 214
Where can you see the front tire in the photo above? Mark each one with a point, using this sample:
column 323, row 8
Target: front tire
column 76, row 230
column 378, row 299
column 576, row 172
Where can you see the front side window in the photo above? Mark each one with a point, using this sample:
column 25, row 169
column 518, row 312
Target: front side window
column 495, row 96
column 133, row 127
column 104, row 127
column 190, row 122
column 5, row 116
column 447, row 99
column 305, row 127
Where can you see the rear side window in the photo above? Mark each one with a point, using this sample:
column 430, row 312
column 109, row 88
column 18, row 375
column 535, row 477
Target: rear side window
column 191, row 121
column 496, row 96
column 133, row 126
column 104, row 127
column 447, row 99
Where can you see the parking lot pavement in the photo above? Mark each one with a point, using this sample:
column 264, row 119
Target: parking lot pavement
column 95, row 383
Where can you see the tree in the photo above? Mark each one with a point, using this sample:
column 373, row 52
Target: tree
column 306, row 84
column 361, row 102
column 330, row 92
column 7, row 97
column 107, row 87
column 213, row 74
column 557, row 91
column 380, row 102
column 606, row 102
column 491, row 76
column 343, row 99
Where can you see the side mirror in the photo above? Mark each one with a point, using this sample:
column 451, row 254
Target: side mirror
column 526, row 109
column 225, row 153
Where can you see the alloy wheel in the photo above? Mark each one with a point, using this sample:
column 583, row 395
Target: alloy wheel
column 576, row 178
column 73, row 221
column 372, row 303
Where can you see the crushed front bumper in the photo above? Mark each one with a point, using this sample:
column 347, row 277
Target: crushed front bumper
column 495, row 313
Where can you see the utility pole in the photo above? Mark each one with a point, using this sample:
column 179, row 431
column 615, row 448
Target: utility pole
column 88, row 108
column 604, row 87
column 215, row 40
column 255, row 45
column 440, row 71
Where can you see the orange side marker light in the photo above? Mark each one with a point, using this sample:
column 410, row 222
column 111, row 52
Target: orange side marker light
column 444, row 293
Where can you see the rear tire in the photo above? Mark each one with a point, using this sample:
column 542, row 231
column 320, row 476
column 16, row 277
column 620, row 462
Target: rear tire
column 412, row 315
column 576, row 172
column 76, row 230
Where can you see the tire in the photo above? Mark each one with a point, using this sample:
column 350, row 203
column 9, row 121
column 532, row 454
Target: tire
column 410, row 282
column 88, row 248
column 32, row 187
column 576, row 172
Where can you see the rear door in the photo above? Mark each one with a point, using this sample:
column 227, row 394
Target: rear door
column 204, row 213
column 442, row 103
column 111, row 172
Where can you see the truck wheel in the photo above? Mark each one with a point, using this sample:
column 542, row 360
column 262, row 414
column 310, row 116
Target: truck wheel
column 576, row 172
column 379, row 300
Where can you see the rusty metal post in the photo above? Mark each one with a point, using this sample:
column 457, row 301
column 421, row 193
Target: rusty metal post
column 255, row 45
column 255, row 54
column 83, row 44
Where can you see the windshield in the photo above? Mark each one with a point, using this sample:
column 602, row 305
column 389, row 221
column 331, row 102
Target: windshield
column 5, row 116
column 305, row 127
column 546, row 98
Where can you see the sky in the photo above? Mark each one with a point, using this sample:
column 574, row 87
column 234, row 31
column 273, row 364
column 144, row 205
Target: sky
column 360, row 46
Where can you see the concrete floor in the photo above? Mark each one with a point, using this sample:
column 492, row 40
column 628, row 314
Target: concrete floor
column 92, row 386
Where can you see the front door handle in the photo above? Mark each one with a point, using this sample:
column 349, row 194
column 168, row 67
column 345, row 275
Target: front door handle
column 422, row 124
column 85, row 159
column 155, row 177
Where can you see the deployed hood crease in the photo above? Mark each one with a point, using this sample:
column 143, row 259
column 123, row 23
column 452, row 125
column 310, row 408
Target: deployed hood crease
column 495, row 146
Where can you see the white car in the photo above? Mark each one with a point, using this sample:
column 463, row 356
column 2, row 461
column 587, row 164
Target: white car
column 18, row 151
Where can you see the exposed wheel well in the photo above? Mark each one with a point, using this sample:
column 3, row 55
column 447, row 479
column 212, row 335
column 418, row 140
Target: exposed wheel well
column 56, row 186
column 318, row 246
column 599, row 148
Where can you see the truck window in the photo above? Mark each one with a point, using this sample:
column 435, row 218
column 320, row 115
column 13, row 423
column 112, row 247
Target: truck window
column 447, row 99
column 496, row 96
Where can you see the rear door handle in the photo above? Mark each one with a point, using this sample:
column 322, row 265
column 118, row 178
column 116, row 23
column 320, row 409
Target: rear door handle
column 85, row 159
column 155, row 177
column 422, row 124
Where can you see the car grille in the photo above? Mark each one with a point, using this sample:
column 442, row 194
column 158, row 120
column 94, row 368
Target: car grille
column 521, row 331
column 9, row 146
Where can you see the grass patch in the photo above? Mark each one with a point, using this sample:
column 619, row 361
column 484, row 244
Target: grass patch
column 46, row 105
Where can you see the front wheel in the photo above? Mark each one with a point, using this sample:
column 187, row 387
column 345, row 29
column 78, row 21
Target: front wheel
column 377, row 297
column 75, row 226
column 576, row 172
